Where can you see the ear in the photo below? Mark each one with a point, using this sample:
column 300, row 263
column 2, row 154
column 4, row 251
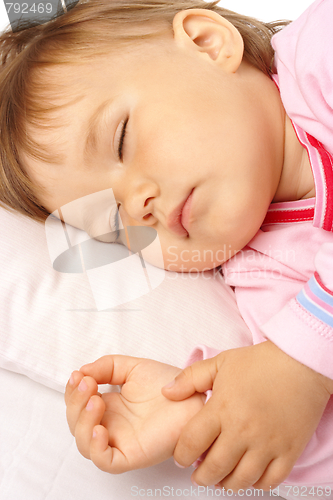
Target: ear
column 210, row 35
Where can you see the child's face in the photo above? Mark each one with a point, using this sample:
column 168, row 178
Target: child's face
column 192, row 127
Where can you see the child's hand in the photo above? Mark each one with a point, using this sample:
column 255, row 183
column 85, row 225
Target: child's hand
column 135, row 428
column 264, row 409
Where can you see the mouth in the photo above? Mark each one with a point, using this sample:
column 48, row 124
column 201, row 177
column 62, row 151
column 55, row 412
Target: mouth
column 178, row 219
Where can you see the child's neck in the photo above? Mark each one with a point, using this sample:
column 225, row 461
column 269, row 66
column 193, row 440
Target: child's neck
column 296, row 180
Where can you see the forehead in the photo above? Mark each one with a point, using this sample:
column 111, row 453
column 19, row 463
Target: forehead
column 67, row 92
column 60, row 86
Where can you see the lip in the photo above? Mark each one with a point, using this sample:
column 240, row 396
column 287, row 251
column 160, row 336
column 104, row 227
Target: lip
column 186, row 212
column 179, row 216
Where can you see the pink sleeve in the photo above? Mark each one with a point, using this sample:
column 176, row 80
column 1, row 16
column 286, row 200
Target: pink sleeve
column 309, row 316
column 303, row 60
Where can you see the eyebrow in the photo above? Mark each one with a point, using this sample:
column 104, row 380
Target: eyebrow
column 94, row 126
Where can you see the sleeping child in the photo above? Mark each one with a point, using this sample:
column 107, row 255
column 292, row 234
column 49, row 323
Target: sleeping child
column 216, row 130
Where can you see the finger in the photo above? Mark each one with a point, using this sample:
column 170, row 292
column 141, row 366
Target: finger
column 78, row 400
column 220, row 461
column 72, row 383
column 90, row 416
column 198, row 377
column 112, row 370
column 107, row 458
column 276, row 472
column 248, row 471
column 197, row 435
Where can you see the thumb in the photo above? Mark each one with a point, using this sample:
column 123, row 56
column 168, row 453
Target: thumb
column 113, row 370
column 198, row 377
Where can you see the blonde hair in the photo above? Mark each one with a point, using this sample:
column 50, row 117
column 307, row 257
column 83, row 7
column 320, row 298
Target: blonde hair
column 94, row 27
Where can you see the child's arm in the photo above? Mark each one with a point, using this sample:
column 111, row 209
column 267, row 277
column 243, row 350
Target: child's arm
column 264, row 409
column 135, row 428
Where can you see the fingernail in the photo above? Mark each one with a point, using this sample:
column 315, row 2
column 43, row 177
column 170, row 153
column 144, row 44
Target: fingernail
column 178, row 465
column 194, row 483
column 90, row 405
column 94, row 433
column 71, row 380
column 170, row 384
column 82, row 386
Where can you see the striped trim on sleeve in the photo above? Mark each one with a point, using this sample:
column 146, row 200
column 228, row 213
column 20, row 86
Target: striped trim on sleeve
column 317, row 300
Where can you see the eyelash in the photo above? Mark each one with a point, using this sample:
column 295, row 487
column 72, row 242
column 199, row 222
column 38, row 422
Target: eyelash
column 121, row 140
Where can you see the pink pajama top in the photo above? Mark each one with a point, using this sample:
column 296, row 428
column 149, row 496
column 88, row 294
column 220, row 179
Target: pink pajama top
column 283, row 278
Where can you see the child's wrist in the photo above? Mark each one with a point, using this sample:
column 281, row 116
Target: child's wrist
column 324, row 381
column 328, row 382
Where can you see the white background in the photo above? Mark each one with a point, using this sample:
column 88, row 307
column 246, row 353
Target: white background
column 265, row 10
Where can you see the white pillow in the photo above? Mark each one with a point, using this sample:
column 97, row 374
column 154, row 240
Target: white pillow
column 50, row 324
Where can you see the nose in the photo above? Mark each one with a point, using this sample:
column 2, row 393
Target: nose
column 139, row 202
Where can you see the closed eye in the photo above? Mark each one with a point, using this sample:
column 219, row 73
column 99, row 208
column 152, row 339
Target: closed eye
column 122, row 139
